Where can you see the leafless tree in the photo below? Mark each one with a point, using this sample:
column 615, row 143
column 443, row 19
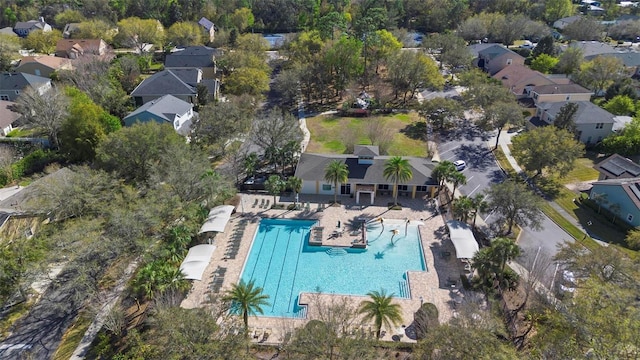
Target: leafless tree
column 44, row 111
column 379, row 134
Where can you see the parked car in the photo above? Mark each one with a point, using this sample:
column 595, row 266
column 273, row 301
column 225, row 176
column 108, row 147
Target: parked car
column 460, row 165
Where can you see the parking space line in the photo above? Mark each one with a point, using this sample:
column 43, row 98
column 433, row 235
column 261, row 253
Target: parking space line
column 474, row 190
column 450, row 150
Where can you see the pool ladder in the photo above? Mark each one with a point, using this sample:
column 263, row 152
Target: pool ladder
column 405, row 292
column 336, row 252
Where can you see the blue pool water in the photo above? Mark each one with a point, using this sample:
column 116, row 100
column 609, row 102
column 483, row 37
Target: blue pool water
column 284, row 265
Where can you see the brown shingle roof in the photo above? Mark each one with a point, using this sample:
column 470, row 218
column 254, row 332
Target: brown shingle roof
column 7, row 117
column 516, row 77
column 46, row 60
column 80, row 44
column 561, row 89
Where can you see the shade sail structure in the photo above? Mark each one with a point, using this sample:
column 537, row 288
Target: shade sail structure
column 217, row 220
column 196, row 261
column 463, row 239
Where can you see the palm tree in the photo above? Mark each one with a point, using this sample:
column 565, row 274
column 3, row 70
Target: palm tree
column 336, row 173
column 274, row 186
column 381, row 310
column 600, row 199
column 251, row 164
column 397, row 170
column 504, row 250
column 442, row 172
column 246, row 299
column 478, row 204
column 295, row 184
column 463, row 208
column 457, row 178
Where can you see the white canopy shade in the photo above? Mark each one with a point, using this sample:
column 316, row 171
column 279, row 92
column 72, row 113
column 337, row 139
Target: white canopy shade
column 463, row 239
column 196, row 261
column 217, row 220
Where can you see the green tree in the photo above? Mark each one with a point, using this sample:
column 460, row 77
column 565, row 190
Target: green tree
column 246, row 299
column 409, row 71
column 9, row 46
column 68, row 16
column 566, row 118
column 336, row 173
column 626, row 142
column 381, row 45
column 251, row 163
column 600, row 73
column 95, row 29
column 157, row 277
column 633, row 239
column 570, row 61
column 442, row 172
column 544, row 63
column 457, row 178
column 498, row 115
column 546, row 45
column 242, row 19
column 397, row 170
column 557, row 9
column 620, row 105
column 247, row 80
column 491, row 262
column 274, row 186
column 343, row 58
column 381, row 310
column 547, row 148
column 449, row 49
column 135, row 33
column 441, row 113
column 478, row 204
column 185, row 33
column 462, row 208
column 514, row 204
column 43, row 41
column 295, row 183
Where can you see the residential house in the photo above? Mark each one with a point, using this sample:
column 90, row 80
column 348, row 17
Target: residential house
column 566, row 21
column 11, row 84
column 74, row 48
column 209, row 27
column 69, row 29
column 590, row 48
column 559, row 92
column 24, row 28
column 593, row 123
column 617, row 167
column 181, row 83
column 630, row 60
column 42, row 65
column 166, row 109
column 201, row 57
column 366, row 178
column 7, row 117
column 621, row 197
column 520, row 79
column 497, row 57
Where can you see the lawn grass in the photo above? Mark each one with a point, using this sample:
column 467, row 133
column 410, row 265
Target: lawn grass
column 583, row 170
column 328, row 134
column 71, row 338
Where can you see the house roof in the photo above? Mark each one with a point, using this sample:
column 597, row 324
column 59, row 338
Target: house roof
column 206, row 23
column 7, row 117
column 494, row 51
column 169, row 81
column 52, row 62
column 516, row 77
column 19, row 81
column 617, row 166
column 628, row 58
column 561, row 89
column 587, row 113
column 475, row 49
column 631, row 187
column 569, row 19
column 620, row 122
column 366, row 150
column 165, row 107
column 311, row 168
column 64, row 45
column 30, row 24
column 591, row 48
column 191, row 56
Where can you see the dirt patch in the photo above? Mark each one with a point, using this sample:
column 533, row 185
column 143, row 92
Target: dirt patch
column 579, row 186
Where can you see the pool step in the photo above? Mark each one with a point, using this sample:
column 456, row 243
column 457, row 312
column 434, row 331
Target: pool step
column 336, row 252
column 405, row 292
column 302, row 312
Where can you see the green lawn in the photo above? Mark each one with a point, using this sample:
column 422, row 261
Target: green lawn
column 583, row 170
column 329, row 133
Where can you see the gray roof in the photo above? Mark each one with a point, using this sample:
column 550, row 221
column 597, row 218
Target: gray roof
column 494, row 51
column 192, row 56
column 561, row 89
column 29, row 24
column 628, row 58
column 591, row 48
column 617, row 167
column 169, row 81
column 475, row 49
column 587, row 113
column 570, row 19
column 366, row 150
column 311, row 168
column 19, row 81
column 166, row 108
column 206, row 23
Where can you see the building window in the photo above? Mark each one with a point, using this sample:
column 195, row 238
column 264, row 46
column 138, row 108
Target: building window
column 421, row 188
column 599, row 125
column 345, row 189
column 629, row 217
column 37, row 72
column 326, row 187
column 383, row 187
column 403, row 188
column 568, row 97
column 509, row 61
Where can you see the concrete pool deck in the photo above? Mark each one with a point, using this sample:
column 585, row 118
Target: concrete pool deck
column 433, row 285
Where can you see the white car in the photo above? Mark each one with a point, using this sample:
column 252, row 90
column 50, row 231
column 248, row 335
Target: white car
column 460, row 165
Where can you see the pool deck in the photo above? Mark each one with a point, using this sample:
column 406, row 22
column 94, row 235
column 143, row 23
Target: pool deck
column 435, row 285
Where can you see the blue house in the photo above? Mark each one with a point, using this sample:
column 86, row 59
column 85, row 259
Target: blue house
column 166, row 109
column 621, row 197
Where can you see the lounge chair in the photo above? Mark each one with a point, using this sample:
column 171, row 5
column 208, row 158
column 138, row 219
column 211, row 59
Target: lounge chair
column 265, row 336
column 267, row 204
column 255, row 203
column 256, row 333
column 262, row 204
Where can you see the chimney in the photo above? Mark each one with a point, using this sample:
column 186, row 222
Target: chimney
column 42, row 19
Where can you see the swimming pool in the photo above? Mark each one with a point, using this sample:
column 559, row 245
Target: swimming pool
column 284, row 265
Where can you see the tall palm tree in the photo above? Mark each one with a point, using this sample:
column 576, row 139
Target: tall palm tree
column 442, row 172
column 463, row 208
column 397, row 170
column 295, row 184
column 504, row 250
column 381, row 310
column 478, row 204
column 246, row 299
column 336, row 173
column 457, row 178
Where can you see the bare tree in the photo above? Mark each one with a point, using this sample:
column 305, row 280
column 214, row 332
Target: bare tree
column 275, row 130
column 43, row 111
column 379, row 134
column 7, row 157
